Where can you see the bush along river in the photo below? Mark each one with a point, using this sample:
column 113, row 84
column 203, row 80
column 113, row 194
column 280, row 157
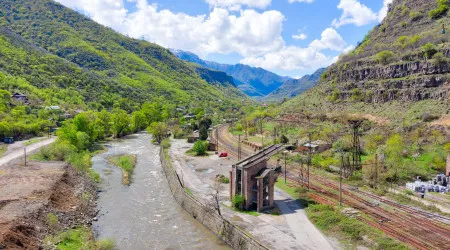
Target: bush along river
column 144, row 215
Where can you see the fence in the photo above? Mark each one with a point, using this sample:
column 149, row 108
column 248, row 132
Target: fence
column 228, row 232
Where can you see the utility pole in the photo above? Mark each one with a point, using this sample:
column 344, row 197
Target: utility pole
column 309, row 155
column 25, row 154
column 262, row 133
column 239, row 148
column 340, row 180
column 376, row 170
column 217, row 139
column 285, row 165
column 275, row 135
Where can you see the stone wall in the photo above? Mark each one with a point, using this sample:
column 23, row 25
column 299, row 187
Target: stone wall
column 231, row 234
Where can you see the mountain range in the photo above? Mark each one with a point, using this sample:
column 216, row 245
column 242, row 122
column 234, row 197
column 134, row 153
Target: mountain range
column 294, row 87
column 255, row 82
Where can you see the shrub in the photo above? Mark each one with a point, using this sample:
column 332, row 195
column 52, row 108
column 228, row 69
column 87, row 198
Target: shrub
column 52, row 220
column 385, row 56
column 402, row 39
column 284, row 139
column 415, row 15
column 105, row 244
column 415, row 39
column 165, row 143
column 441, row 9
column 439, row 59
column 94, row 175
column 200, row 147
column 223, row 179
column 81, row 161
column 429, row 50
column 405, row 10
column 356, row 95
column 238, row 201
column 403, row 24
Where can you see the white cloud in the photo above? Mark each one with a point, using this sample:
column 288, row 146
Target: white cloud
column 301, row 1
column 301, row 36
column 107, row 12
column 248, row 33
column 354, row 13
column 289, row 58
column 237, row 4
column 293, row 58
column 348, row 49
column 330, row 40
column 256, row 36
column 383, row 12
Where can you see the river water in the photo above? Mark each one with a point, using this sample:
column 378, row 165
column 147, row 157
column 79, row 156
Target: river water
column 144, row 215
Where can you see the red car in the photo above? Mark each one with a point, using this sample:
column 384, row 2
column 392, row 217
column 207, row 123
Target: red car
column 223, row 154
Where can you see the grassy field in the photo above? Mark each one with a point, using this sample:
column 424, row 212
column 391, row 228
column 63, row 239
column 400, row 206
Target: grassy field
column 77, row 238
column 127, row 164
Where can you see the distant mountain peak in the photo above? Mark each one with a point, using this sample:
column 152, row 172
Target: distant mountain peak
column 255, row 82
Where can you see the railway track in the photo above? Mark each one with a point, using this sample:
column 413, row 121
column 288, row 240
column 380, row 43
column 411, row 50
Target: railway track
column 417, row 228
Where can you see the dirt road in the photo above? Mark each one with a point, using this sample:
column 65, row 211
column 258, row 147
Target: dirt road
column 19, row 152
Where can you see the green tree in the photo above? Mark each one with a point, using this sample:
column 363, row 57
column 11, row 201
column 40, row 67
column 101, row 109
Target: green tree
column 385, row 56
column 158, row 130
column 5, row 100
column 200, row 148
column 394, row 150
column 138, row 121
column 121, row 123
column 429, row 50
column 5, row 129
column 203, row 133
column 284, row 139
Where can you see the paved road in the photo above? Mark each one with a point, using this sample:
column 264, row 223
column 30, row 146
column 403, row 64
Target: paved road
column 17, row 153
column 307, row 235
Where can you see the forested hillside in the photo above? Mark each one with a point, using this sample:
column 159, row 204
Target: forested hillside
column 400, row 70
column 74, row 61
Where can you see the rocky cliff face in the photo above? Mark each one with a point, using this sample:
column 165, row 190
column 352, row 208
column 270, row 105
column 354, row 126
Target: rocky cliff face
column 405, row 58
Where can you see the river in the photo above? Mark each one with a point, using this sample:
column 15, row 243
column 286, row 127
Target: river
column 144, row 215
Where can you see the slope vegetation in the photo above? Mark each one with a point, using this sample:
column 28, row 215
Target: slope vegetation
column 62, row 57
column 399, row 71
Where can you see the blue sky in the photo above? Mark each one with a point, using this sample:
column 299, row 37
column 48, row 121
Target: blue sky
column 289, row 37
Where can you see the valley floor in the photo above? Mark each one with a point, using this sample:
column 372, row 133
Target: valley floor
column 289, row 230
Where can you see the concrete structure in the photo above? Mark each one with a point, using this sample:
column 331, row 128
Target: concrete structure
column 318, row 146
column 255, row 180
column 212, row 144
column 194, row 137
column 447, row 171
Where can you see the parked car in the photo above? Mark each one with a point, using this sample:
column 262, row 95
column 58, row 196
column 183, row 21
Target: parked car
column 223, row 154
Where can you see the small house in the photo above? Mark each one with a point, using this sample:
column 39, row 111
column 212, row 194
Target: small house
column 54, row 108
column 20, row 97
column 317, row 146
column 212, row 144
column 194, row 137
